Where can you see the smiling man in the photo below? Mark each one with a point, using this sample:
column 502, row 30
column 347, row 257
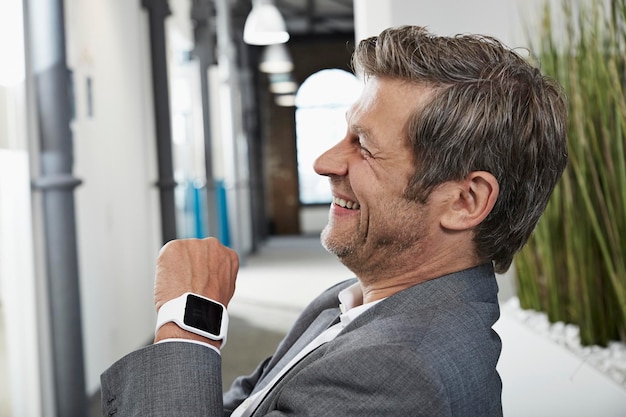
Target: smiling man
column 450, row 156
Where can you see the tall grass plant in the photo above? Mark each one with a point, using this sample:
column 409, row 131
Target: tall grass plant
column 574, row 265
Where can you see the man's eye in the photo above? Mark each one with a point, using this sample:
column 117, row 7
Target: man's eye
column 365, row 152
column 362, row 149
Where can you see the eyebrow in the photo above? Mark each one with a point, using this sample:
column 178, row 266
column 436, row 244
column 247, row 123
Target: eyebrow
column 361, row 130
column 357, row 128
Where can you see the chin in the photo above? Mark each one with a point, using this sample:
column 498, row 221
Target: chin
column 336, row 245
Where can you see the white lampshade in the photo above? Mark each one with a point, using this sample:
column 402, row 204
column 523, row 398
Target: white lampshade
column 285, row 100
column 264, row 25
column 282, row 84
column 276, row 59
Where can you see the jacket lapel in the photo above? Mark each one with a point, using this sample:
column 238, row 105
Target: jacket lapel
column 321, row 323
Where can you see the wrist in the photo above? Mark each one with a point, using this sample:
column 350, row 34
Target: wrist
column 171, row 330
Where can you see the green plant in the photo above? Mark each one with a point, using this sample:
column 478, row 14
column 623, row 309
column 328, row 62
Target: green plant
column 574, row 265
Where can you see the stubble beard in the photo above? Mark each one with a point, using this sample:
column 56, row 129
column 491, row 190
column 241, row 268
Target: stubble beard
column 383, row 255
column 385, row 250
column 332, row 244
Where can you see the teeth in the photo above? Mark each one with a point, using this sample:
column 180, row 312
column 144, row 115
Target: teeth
column 346, row 204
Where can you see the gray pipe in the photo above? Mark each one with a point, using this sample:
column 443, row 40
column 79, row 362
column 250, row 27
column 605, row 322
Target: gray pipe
column 158, row 10
column 46, row 46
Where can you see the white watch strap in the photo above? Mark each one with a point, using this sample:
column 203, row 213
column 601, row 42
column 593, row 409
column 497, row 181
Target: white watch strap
column 174, row 311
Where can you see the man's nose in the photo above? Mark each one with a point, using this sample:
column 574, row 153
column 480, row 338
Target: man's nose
column 333, row 162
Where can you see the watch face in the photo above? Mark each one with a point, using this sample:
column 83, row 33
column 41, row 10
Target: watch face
column 203, row 314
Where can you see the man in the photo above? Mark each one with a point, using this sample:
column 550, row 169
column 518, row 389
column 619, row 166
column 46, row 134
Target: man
column 450, row 156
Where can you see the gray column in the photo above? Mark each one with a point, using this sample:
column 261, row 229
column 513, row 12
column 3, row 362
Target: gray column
column 47, row 64
column 204, row 39
column 158, row 10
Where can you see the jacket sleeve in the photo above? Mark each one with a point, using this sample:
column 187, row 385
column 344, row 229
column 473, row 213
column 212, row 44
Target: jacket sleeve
column 165, row 379
column 185, row 379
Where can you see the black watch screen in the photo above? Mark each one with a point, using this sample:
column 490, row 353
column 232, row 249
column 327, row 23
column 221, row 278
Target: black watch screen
column 203, row 314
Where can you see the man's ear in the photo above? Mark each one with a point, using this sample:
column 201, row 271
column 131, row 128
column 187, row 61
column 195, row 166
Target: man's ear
column 469, row 200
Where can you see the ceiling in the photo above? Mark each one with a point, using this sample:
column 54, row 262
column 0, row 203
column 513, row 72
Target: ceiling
column 310, row 17
column 315, row 17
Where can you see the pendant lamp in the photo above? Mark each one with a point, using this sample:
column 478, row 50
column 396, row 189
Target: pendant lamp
column 264, row 25
column 282, row 83
column 276, row 59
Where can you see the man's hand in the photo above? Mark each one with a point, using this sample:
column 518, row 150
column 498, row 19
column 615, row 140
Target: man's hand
column 204, row 267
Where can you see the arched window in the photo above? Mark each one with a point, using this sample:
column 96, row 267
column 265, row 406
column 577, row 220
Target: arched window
column 321, row 104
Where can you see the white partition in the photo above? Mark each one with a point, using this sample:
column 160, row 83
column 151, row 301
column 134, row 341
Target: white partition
column 17, row 285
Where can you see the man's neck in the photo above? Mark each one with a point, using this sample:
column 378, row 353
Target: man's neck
column 376, row 287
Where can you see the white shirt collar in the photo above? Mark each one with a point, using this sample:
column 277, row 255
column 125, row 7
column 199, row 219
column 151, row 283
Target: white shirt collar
column 351, row 303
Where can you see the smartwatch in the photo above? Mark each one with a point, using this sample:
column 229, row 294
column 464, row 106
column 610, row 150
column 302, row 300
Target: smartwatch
column 196, row 314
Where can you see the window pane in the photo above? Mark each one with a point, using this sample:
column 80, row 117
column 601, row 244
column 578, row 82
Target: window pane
column 321, row 105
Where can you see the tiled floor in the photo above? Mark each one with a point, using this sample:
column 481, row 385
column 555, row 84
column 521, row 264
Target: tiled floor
column 540, row 378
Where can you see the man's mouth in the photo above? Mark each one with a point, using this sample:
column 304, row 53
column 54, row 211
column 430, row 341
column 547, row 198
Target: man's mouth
column 352, row 205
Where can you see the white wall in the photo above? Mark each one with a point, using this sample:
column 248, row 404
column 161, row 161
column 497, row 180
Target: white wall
column 505, row 19
column 4, row 137
column 18, row 295
column 117, row 204
column 12, row 117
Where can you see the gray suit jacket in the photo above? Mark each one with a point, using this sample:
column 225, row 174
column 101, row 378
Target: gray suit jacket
column 426, row 351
